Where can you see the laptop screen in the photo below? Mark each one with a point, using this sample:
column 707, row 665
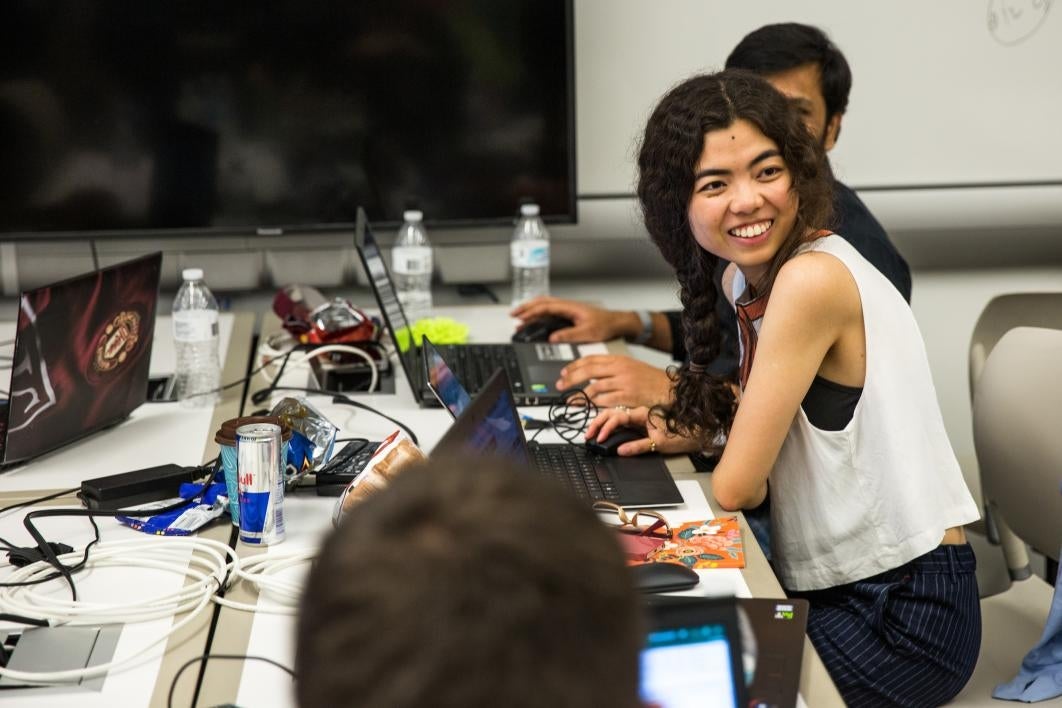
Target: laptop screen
column 383, row 288
column 82, row 355
column 442, row 381
column 692, row 655
column 489, row 426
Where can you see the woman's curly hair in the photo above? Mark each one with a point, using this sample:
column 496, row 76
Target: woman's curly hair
column 704, row 404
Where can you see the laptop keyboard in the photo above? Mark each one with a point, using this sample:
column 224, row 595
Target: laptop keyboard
column 347, row 464
column 473, row 364
column 576, row 468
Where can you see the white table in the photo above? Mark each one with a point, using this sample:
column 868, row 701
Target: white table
column 154, row 434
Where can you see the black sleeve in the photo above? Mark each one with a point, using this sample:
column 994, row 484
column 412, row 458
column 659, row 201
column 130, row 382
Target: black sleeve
column 726, row 364
column 678, row 339
column 855, row 224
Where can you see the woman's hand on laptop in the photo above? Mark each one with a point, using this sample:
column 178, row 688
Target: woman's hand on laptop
column 589, row 323
column 656, row 439
column 617, row 380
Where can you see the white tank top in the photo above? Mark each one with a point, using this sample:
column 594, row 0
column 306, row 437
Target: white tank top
column 852, row 503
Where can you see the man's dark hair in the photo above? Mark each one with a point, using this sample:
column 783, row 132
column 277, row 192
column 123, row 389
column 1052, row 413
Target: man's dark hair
column 469, row 583
column 780, row 47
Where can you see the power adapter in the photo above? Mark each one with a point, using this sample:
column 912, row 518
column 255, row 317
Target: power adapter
column 118, row 491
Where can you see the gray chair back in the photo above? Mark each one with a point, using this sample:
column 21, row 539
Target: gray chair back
column 1017, row 420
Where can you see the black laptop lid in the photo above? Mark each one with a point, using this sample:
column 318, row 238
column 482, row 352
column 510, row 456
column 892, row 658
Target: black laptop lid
column 489, row 426
column 383, row 289
column 82, row 355
column 442, row 381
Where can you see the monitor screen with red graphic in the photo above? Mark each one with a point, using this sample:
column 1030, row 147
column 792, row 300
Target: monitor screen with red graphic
column 81, row 357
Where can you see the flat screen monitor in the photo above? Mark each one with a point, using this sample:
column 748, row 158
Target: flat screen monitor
column 126, row 117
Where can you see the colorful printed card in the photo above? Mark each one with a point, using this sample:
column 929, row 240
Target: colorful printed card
column 715, row 543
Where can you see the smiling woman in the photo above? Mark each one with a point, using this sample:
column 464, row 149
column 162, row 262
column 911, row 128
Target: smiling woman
column 834, row 406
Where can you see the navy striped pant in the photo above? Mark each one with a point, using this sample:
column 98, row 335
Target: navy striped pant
column 906, row 637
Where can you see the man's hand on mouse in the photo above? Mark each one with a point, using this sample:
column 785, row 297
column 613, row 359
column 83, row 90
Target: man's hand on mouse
column 657, row 438
column 617, row 380
column 589, row 323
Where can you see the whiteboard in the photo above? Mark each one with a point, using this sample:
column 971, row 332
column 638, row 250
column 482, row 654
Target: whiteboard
column 945, row 92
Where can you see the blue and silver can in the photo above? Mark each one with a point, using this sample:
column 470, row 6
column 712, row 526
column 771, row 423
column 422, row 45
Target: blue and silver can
column 260, row 473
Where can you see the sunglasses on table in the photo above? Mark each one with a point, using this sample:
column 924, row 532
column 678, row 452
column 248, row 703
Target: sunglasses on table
column 642, row 522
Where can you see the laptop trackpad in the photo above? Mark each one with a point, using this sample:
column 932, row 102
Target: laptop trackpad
column 634, row 469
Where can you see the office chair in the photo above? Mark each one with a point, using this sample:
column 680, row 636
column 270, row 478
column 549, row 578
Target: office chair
column 1017, row 397
column 1000, row 315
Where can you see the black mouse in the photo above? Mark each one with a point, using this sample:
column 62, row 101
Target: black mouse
column 664, row 577
column 539, row 329
column 609, row 445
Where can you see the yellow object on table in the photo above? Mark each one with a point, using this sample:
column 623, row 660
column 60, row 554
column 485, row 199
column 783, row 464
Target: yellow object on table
column 440, row 330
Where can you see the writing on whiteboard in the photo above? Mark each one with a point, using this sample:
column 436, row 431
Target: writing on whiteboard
column 1014, row 21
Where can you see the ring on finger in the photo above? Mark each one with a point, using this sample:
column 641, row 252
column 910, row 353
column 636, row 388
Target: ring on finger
column 625, row 409
column 652, row 445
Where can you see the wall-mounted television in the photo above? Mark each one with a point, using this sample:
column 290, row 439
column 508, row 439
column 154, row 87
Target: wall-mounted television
column 125, row 117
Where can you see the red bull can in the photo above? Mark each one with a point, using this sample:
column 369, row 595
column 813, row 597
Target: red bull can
column 260, row 479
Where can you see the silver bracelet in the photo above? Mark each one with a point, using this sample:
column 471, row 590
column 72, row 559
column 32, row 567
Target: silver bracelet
column 647, row 327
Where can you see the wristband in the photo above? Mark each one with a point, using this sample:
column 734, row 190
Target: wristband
column 647, row 327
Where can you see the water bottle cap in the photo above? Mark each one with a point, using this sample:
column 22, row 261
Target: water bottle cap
column 413, row 215
column 192, row 273
column 529, row 209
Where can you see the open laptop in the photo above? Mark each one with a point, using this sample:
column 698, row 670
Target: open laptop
column 490, row 425
column 693, row 654
column 533, row 367
column 81, row 356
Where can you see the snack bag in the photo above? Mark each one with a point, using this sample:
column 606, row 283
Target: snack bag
column 395, row 453
column 315, row 435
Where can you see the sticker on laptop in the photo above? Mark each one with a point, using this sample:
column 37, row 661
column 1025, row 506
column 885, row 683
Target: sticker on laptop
column 554, row 352
column 783, row 612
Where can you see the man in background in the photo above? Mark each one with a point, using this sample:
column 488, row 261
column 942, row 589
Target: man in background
column 468, row 583
column 801, row 62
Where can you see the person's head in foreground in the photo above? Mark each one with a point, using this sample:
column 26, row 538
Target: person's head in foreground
column 469, row 583
column 727, row 170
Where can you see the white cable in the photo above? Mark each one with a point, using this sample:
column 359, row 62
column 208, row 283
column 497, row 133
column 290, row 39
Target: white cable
column 261, row 572
column 203, row 562
column 267, row 349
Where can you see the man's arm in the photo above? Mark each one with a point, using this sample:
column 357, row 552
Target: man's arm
column 598, row 324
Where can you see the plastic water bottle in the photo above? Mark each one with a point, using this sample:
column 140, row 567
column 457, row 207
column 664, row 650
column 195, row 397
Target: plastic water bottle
column 411, row 263
column 529, row 255
column 195, row 335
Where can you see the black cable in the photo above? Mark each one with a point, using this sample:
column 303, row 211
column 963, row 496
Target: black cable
column 258, row 397
column 32, row 502
column 47, row 551
column 34, row 621
column 571, row 414
column 469, row 289
column 237, row 382
column 207, row 657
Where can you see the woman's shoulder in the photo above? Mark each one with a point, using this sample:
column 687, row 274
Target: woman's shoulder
column 816, row 278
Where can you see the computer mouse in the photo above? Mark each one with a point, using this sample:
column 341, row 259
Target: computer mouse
column 663, row 577
column 539, row 329
column 609, row 446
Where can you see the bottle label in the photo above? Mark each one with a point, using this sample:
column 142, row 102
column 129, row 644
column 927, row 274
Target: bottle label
column 195, row 325
column 411, row 260
column 530, row 253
